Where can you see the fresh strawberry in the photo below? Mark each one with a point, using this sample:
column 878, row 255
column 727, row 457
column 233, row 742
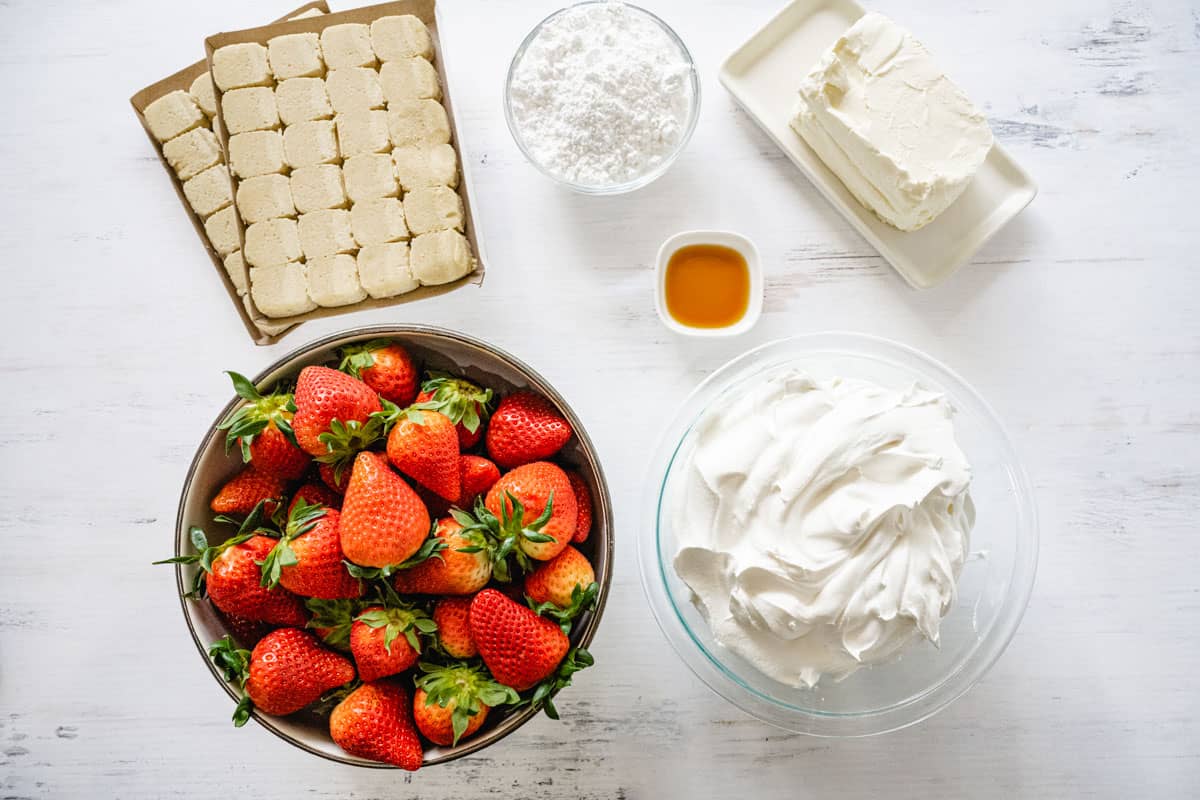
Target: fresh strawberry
column 532, row 506
column 262, row 430
column 375, row 722
column 449, row 570
column 424, row 447
column 476, row 475
column 332, row 621
column 452, row 615
column 560, row 579
column 383, row 521
column 235, row 586
column 465, row 403
column 384, row 366
column 525, row 428
column 307, row 560
column 246, row 632
column 387, row 640
column 520, row 648
column 332, row 414
column 315, row 494
column 583, row 507
column 246, row 490
column 451, row 702
column 329, row 477
column 286, row 671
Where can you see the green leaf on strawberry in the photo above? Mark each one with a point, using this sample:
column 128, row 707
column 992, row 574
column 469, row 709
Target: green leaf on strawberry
column 205, row 553
column 463, row 402
column 466, row 685
column 303, row 518
column 332, row 620
column 582, row 599
column 234, row 663
column 244, row 423
column 543, row 694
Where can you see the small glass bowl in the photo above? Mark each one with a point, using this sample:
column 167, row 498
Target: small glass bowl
column 641, row 180
column 993, row 589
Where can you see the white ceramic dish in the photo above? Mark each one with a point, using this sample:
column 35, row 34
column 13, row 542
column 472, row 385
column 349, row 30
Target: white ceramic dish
column 763, row 75
column 734, row 241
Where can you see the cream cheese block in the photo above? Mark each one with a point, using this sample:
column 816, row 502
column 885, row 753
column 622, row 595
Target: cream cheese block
column 903, row 138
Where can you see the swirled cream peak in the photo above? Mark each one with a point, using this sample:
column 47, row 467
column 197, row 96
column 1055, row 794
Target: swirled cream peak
column 822, row 524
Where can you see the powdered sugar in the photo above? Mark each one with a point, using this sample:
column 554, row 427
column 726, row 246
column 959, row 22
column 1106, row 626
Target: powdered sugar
column 602, row 95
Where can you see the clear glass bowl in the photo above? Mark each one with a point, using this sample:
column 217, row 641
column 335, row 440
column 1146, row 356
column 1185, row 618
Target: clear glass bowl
column 660, row 168
column 993, row 589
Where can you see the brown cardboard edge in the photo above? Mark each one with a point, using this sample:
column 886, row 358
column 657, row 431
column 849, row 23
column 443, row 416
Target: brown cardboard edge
column 426, row 11
column 183, row 79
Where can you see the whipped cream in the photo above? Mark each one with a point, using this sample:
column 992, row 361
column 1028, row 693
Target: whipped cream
column 822, row 524
column 888, row 122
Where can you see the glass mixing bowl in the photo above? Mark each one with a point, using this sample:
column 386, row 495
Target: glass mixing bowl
column 993, row 588
column 692, row 84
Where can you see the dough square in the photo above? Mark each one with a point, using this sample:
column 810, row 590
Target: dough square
column 172, row 114
column 409, row 79
column 265, row 197
column 325, row 232
column 209, row 191
column 235, row 268
column 440, row 257
column 302, row 99
column 238, row 65
column 221, row 229
column 363, row 132
column 418, row 122
column 251, row 109
column 295, row 55
column 256, row 153
column 433, row 208
column 354, row 89
column 378, row 221
column 347, row 45
column 369, row 175
column 308, row 143
column 383, row 269
column 426, row 166
column 272, row 242
column 280, row 290
column 203, row 93
column 399, row 37
column 333, row 281
column 193, row 152
column 317, row 187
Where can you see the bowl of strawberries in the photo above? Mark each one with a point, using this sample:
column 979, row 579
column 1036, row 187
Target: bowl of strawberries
column 393, row 546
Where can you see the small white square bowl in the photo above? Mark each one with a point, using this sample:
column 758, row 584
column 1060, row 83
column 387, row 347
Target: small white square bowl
column 734, row 241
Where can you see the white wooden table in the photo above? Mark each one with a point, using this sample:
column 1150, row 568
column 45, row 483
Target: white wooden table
column 1080, row 323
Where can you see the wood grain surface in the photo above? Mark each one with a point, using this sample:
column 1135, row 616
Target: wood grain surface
column 1080, row 323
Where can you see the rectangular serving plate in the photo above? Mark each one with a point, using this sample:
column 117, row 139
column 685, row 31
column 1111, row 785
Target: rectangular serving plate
column 764, row 74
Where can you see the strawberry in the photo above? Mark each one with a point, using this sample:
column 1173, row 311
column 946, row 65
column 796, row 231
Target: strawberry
column 246, row 490
column 532, row 506
column 246, row 632
column 526, row 427
column 560, row 579
column 335, row 483
column 307, row 560
column 452, row 615
column 235, row 585
column 476, row 475
column 315, row 494
column 375, row 722
column 465, row 403
column 376, row 642
column 332, row 415
column 583, row 507
column 451, row 702
column 424, row 447
column 383, row 521
column 520, row 648
column 262, row 430
column 384, row 366
column 332, row 620
column 286, row 671
column 449, row 570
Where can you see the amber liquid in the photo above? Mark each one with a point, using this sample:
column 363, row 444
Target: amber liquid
column 707, row 286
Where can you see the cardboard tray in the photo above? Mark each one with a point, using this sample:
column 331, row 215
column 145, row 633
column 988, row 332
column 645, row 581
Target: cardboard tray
column 426, row 11
column 183, row 80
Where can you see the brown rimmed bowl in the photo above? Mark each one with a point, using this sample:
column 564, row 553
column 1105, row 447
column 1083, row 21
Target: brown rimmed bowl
column 432, row 348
